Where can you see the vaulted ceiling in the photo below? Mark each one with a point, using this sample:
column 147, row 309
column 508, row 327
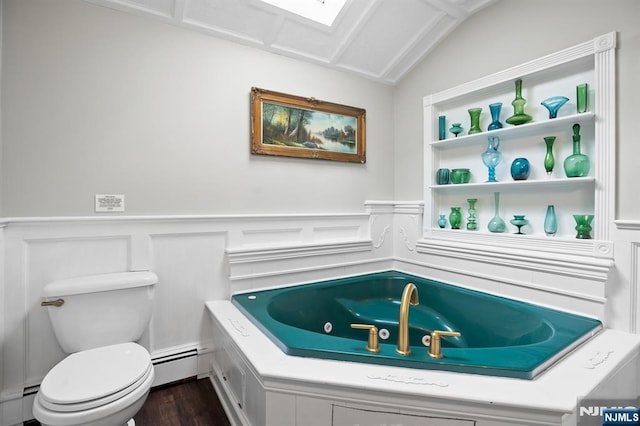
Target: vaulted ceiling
column 377, row 39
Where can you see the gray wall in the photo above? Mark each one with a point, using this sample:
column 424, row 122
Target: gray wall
column 98, row 101
column 507, row 34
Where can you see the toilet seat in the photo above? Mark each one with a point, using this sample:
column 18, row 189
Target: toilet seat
column 96, row 377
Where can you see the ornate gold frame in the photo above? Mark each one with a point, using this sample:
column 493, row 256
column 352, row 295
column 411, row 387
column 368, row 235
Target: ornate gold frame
column 309, row 148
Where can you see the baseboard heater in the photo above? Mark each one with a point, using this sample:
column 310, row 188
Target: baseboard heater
column 175, row 366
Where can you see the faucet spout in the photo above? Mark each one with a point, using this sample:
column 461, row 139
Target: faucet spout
column 409, row 297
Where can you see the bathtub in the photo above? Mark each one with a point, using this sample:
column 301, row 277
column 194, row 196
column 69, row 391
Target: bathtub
column 499, row 336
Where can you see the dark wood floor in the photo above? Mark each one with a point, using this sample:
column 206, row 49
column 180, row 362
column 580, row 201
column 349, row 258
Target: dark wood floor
column 187, row 403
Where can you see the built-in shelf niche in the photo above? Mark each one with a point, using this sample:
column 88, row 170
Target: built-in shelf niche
column 592, row 62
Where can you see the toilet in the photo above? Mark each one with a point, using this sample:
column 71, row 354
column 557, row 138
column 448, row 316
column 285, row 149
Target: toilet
column 106, row 377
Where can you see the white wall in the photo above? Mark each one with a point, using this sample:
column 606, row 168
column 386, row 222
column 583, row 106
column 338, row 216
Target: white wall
column 99, row 101
column 507, row 34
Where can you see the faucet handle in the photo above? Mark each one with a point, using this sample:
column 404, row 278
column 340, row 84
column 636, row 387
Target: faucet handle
column 372, row 344
column 435, row 350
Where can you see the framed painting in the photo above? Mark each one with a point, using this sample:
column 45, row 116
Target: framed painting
column 294, row 126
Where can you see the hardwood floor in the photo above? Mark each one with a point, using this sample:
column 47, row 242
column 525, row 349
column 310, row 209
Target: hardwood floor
column 186, row 403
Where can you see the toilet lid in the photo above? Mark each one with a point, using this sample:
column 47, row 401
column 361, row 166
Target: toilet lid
column 95, row 373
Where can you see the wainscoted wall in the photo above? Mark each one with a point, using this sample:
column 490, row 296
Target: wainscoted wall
column 197, row 258
column 201, row 258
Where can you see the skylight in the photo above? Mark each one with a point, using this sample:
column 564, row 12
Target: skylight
column 322, row 11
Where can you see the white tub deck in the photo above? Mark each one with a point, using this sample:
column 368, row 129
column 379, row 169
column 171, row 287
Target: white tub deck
column 606, row 366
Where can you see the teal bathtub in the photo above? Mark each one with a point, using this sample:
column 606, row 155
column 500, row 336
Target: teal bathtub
column 499, row 336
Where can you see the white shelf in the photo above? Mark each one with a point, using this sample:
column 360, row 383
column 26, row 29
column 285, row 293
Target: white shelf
column 513, row 132
column 516, row 185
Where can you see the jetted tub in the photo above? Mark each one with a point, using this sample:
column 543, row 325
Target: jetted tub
column 499, row 336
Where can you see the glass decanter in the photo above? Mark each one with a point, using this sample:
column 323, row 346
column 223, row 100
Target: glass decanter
column 578, row 164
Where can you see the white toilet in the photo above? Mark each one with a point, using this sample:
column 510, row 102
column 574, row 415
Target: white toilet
column 107, row 377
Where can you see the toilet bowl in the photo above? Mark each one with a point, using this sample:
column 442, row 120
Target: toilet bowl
column 102, row 386
column 106, row 378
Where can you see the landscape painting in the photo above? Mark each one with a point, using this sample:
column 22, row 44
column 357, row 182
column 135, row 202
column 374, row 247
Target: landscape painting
column 294, row 126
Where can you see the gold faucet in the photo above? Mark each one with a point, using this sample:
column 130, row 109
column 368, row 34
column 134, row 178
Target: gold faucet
column 372, row 343
column 409, row 296
column 435, row 350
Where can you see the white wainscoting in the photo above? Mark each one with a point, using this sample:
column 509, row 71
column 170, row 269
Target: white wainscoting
column 197, row 259
column 202, row 258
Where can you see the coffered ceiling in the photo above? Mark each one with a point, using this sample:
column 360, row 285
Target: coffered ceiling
column 377, row 39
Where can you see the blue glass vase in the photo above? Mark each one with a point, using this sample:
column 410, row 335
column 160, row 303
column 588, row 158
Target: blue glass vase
column 550, row 221
column 553, row 104
column 495, row 109
column 519, row 221
column 520, row 169
column 442, row 127
column 442, row 221
column 456, row 129
column 492, row 156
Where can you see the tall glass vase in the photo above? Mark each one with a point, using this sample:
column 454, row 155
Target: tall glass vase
column 549, row 159
column 495, row 109
column 550, row 221
column 577, row 164
column 474, row 114
column 496, row 224
column 492, row 156
column 471, row 221
column 519, row 116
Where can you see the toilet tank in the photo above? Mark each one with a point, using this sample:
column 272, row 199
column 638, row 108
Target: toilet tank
column 100, row 310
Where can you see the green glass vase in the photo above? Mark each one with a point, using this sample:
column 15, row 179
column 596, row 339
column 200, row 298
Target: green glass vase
column 472, row 225
column 577, row 164
column 474, row 114
column 549, row 159
column 583, row 225
column 519, row 116
column 455, row 217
